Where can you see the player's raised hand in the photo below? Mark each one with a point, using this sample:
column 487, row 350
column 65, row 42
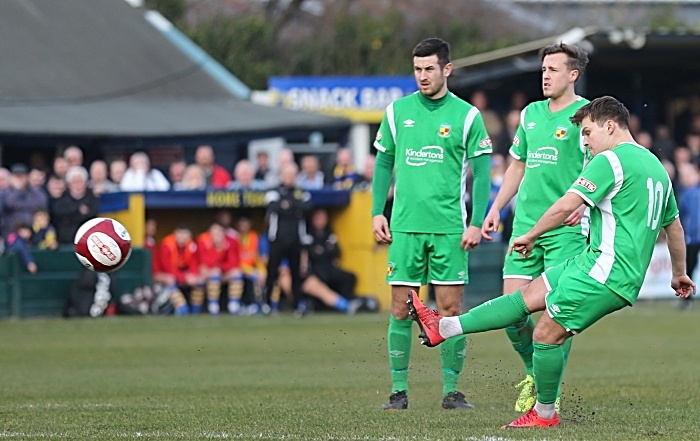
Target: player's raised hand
column 683, row 286
column 491, row 222
column 380, row 228
column 521, row 245
column 471, row 238
column 575, row 217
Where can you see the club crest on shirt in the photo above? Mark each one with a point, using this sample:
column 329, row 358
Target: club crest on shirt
column 585, row 183
column 444, row 131
column 560, row 133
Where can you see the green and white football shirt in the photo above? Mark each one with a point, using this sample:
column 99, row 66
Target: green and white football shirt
column 633, row 199
column 554, row 155
column 431, row 143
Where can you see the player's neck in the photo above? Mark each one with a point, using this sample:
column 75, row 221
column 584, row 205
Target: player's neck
column 625, row 138
column 435, row 101
column 563, row 101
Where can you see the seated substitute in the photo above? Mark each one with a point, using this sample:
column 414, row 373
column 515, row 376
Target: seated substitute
column 631, row 199
column 325, row 280
column 219, row 259
column 252, row 263
column 179, row 265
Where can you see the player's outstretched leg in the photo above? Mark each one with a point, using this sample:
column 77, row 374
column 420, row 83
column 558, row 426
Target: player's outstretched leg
column 427, row 319
column 493, row 314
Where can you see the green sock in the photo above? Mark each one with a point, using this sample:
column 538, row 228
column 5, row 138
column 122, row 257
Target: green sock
column 399, row 342
column 520, row 335
column 566, row 348
column 452, row 353
column 548, row 370
column 495, row 314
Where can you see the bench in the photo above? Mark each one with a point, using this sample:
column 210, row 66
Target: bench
column 23, row 294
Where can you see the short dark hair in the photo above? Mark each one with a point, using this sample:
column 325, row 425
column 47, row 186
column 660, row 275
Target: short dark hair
column 21, row 225
column 219, row 224
column 602, row 109
column 433, row 46
column 578, row 58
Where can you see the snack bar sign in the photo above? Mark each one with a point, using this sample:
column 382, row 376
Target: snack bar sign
column 340, row 93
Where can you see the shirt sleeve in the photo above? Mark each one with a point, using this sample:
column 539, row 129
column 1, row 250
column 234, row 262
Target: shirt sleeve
column 385, row 141
column 596, row 181
column 518, row 149
column 671, row 212
column 477, row 140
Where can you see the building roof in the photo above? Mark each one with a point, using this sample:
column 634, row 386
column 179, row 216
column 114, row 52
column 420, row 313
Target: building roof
column 99, row 68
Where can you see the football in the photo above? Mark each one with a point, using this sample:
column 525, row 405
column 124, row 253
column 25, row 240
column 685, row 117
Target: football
column 102, row 245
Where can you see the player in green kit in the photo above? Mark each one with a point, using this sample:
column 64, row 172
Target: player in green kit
column 631, row 199
column 430, row 138
column 549, row 155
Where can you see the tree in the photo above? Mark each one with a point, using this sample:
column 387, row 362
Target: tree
column 347, row 37
column 246, row 46
column 173, row 10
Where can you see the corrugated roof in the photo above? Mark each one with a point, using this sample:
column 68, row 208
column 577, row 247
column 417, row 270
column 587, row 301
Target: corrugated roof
column 97, row 67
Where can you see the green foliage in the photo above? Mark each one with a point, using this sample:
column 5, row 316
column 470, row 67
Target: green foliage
column 173, row 10
column 358, row 43
column 346, row 41
column 247, row 46
column 664, row 18
column 633, row 376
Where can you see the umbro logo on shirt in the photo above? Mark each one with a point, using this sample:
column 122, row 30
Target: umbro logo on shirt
column 531, row 125
column 408, row 123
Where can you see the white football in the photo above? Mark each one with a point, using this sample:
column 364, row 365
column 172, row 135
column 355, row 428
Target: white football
column 102, row 245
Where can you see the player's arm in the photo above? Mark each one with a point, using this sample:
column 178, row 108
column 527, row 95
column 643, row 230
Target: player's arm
column 479, row 148
column 511, row 182
column 551, row 219
column 516, row 170
column 385, row 143
column 381, row 181
column 680, row 282
column 675, row 240
column 509, row 188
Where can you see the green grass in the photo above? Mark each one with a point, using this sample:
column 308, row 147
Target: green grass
column 633, row 376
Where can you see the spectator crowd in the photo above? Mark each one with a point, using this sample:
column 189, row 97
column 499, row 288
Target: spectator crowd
column 227, row 267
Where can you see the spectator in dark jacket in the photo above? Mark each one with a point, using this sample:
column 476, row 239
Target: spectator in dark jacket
column 325, row 280
column 77, row 205
column 20, row 201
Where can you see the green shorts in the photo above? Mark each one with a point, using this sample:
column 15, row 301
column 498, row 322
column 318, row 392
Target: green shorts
column 575, row 300
column 548, row 252
column 418, row 258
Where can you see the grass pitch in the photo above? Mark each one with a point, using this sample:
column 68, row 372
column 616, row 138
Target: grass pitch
column 633, row 376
